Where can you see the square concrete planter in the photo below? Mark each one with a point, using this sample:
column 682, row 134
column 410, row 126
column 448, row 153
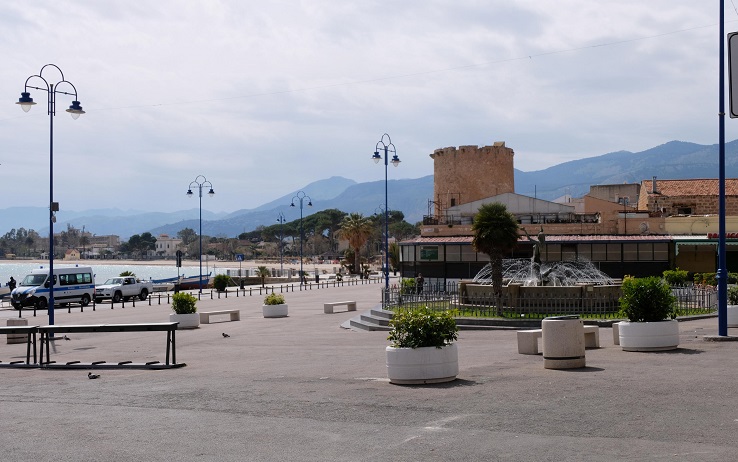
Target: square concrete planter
column 274, row 311
column 186, row 321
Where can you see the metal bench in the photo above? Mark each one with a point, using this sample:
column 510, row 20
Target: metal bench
column 30, row 333
column 205, row 315
column 528, row 339
column 47, row 332
column 328, row 307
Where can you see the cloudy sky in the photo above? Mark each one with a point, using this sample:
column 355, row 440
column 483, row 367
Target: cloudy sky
column 263, row 98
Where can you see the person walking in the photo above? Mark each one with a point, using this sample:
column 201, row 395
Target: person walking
column 419, row 283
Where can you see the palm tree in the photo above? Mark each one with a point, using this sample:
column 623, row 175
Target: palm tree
column 263, row 273
column 356, row 228
column 495, row 234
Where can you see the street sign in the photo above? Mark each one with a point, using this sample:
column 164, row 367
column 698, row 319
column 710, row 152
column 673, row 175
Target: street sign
column 733, row 73
column 239, row 257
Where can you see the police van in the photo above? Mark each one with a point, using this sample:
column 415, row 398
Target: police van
column 72, row 284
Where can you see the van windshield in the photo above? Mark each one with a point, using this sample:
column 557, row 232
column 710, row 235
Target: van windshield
column 33, row 280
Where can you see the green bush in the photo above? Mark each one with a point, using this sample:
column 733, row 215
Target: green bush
column 708, row 279
column 647, row 300
column 408, row 286
column 423, row 328
column 184, row 303
column 274, row 299
column 220, row 282
column 733, row 295
column 676, row 277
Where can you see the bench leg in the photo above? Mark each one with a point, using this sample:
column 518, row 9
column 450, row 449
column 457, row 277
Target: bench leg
column 352, row 306
column 327, row 309
column 592, row 339
column 527, row 344
column 236, row 316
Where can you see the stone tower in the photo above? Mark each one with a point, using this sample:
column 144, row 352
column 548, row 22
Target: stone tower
column 470, row 173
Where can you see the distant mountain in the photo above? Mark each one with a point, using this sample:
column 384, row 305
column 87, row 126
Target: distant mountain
column 673, row 160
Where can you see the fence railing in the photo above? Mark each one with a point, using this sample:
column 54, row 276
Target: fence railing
column 690, row 300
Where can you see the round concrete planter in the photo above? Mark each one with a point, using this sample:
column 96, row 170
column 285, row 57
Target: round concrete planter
column 186, row 321
column 274, row 311
column 649, row 336
column 732, row 315
column 409, row 366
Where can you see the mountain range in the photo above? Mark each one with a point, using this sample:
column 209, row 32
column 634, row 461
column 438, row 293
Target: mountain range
column 672, row 160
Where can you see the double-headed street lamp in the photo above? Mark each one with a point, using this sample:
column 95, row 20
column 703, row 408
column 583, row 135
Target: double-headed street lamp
column 200, row 181
column 388, row 147
column 281, row 221
column 25, row 101
column 301, row 196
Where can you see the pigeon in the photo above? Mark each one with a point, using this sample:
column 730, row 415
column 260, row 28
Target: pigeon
column 67, row 338
column 225, row 335
column 90, row 375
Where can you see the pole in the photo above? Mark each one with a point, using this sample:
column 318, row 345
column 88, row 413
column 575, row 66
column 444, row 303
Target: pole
column 386, row 225
column 301, row 239
column 52, row 101
column 722, row 273
column 200, row 281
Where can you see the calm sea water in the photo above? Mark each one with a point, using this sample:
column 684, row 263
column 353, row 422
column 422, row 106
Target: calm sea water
column 103, row 272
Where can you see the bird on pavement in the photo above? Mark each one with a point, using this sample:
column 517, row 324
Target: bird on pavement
column 90, row 375
column 225, row 335
column 67, row 338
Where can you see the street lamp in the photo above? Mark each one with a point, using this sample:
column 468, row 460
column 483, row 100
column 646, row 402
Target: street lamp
column 200, row 181
column 388, row 147
column 281, row 221
column 75, row 110
column 301, row 196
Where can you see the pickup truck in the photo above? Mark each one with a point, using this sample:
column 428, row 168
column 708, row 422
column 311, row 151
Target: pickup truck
column 123, row 288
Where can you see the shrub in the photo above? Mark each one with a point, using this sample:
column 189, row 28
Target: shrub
column 733, row 295
column 423, row 328
column 408, row 286
column 675, row 277
column 647, row 300
column 709, row 279
column 274, row 299
column 184, row 303
column 127, row 273
column 220, row 282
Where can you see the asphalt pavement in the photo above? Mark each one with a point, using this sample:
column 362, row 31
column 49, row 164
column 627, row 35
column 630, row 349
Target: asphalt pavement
column 302, row 388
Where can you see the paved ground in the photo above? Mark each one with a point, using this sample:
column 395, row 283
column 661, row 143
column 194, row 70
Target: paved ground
column 303, row 389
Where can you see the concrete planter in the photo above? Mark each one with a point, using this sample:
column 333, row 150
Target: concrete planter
column 732, row 315
column 274, row 311
column 649, row 336
column 409, row 366
column 186, row 321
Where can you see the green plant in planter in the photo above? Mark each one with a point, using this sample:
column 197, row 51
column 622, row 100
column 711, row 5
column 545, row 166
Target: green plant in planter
column 423, row 328
column 220, row 282
column 184, row 303
column 733, row 295
column 274, row 299
column 647, row 300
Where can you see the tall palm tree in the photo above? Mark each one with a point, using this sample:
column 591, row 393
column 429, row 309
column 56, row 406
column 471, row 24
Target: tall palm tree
column 495, row 234
column 357, row 229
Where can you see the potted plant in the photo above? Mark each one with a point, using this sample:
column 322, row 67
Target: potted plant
column 649, row 306
column 422, row 349
column 185, row 313
column 274, row 306
column 733, row 306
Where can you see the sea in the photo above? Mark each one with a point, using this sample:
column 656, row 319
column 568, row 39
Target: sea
column 102, row 272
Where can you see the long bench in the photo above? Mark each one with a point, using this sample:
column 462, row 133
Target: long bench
column 30, row 333
column 205, row 315
column 48, row 332
column 328, row 307
column 528, row 339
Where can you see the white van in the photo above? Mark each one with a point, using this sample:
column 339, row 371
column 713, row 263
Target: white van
column 72, row 284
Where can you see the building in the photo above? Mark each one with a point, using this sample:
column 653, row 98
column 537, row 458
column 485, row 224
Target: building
column 167, row 246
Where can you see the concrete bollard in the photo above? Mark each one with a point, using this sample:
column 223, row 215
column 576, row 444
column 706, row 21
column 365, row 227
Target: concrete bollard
column 563, row 342
column 17, row 338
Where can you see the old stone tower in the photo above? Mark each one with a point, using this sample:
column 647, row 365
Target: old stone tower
column 469, row 173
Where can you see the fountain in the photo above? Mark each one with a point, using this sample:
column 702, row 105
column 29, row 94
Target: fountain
column 533, row 285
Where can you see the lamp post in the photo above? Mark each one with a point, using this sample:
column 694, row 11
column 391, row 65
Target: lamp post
column 25, row 101
column 300, row 196
column 200, row 181
column 380, row 211
column 281, row 221
column 388, row 147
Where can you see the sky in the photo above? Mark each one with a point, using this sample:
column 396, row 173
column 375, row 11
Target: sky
column 263, row 98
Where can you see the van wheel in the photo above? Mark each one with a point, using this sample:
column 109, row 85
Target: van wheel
column 143, row 295
column 117, row 297
column 85, row 300
column 41, row 303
